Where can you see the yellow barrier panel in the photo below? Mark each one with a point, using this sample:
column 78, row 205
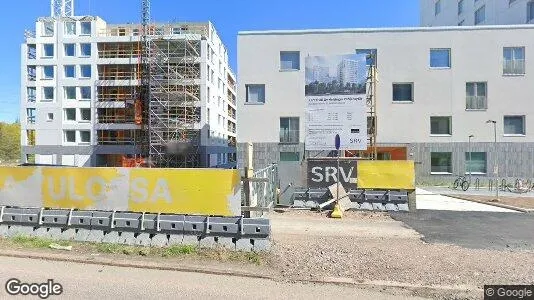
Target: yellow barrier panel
column 386, row 174
column 83, row 188
column 180, row 191
column 188, row 191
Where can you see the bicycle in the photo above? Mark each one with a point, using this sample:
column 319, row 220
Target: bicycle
column 463, row 182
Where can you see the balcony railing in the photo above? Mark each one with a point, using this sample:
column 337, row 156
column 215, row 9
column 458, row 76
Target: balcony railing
column 32, row 98
column 476, row 102
column 289, row 136
column 514, row 67
column 31, row 120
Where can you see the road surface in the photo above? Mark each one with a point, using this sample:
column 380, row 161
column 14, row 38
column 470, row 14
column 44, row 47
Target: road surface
column 85, row 281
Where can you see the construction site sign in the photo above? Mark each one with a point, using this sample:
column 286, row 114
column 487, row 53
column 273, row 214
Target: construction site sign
column 180, row 191
column 335, row 94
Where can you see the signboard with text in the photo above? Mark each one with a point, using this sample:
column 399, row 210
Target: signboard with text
column 336, row 102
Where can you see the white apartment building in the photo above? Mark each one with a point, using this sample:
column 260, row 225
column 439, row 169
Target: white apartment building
column 81, row 79
column 436, row 87
column 476, row 12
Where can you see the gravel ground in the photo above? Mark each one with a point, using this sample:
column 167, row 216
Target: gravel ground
column 406, row 259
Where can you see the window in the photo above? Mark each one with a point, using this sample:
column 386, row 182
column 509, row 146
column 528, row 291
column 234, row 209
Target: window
column 208, row 94
column 371, row 55
column 255, row 93
column 514, row 61
column 85, row 49
column 530, row 12
column 476, row 163
column 70, row 28
column 48, row 50
column 403, row 92
column 30, row 137
column 289, row 156
column 289, row 130
column 441, row 163
column 48, row 93
column 460, row 7
column 437, row 7
column 70, row 71
column 86, row 28
column 85, row 136
column 476, row 95
column 480, row 15
column 32, row 51
column 289, row 60
column 48, row 28
column 85, row 114
column 514, row 125
column 32, row 73
column 70, row 136
column 85, row 71
column 440, row 125
column 48, row 72
column 70, row 114
column 440, row 58
column 70, row 50
column 85, row 92
column 49, row 117
column 31, row 94
column 70, row 93
column 30, row 115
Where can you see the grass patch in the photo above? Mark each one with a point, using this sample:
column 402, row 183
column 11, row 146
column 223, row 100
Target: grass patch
column 178, row 250
column 36, row 242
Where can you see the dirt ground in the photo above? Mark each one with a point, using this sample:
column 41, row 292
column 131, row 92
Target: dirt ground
column 521, row 202
column 374, row 247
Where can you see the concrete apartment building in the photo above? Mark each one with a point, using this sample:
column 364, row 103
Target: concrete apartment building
column 81, row 87
column 436, row 87
column 476, row 12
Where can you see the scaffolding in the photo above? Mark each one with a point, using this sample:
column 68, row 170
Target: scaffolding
column 174, row 105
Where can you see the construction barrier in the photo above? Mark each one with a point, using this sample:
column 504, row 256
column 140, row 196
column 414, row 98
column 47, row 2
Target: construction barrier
column 212, row 192
column 143, row 229
column 386, row 174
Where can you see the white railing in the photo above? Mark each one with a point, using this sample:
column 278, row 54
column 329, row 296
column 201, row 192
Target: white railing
column 476, row 102
column 514, row 67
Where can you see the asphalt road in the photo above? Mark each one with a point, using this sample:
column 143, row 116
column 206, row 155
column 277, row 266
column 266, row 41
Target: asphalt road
column 81, row 281
column 473, row 229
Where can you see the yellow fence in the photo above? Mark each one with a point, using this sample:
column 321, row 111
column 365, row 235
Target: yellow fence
column 181, row 191
column 386, row 174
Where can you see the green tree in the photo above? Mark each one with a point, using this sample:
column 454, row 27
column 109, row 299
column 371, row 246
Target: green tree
column 9, row 141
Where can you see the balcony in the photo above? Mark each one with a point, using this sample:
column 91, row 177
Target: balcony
column 514, row 67
column 289, row 136
column 476, row 102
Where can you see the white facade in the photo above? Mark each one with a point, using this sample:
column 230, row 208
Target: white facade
column 476, row 12
column 61, row 65
column 453, row 96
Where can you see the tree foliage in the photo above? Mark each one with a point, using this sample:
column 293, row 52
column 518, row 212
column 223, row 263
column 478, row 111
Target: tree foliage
column 9, row 141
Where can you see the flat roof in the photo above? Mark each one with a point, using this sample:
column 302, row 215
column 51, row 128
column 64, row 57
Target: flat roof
column 387, row 29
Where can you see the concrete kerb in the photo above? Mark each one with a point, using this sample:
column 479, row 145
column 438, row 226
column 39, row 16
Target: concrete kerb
column 234, row 273
column 525, row 210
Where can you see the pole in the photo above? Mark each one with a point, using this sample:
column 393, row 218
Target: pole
column 338, row 175
column 496, row 159
column 469, row 163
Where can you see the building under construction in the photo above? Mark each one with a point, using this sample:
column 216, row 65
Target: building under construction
column 156, row 95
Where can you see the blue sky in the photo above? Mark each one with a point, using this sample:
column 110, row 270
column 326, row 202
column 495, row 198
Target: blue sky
column 229, row 17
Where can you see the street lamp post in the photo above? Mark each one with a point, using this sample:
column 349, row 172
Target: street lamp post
column 469, row 163
column 496, row 156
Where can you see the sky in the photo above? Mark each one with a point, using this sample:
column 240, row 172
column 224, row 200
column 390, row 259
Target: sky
column 228, row 16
